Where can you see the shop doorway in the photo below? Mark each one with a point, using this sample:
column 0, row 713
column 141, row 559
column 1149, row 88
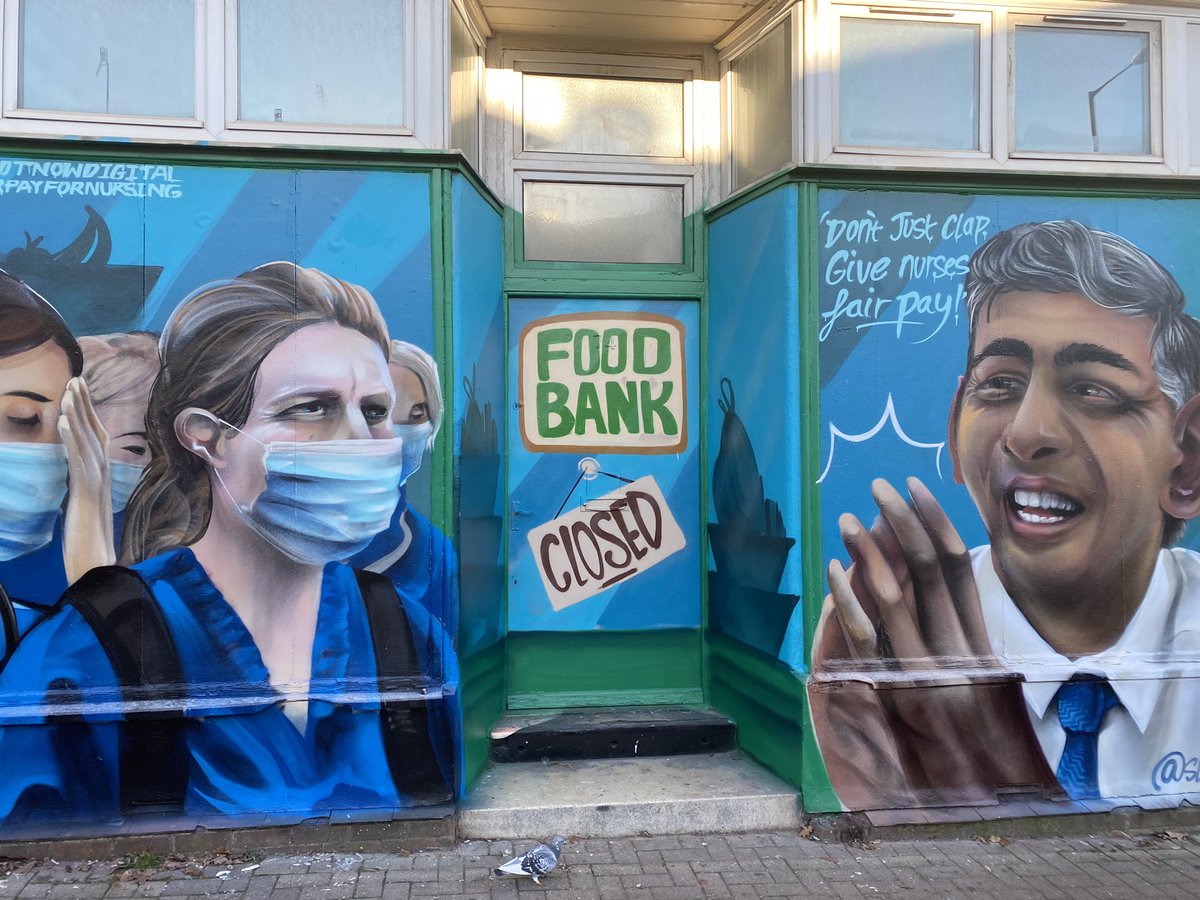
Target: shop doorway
column 604, row 567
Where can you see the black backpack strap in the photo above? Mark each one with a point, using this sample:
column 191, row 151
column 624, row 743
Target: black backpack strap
column 407, row 739
column 130, row 626
column 9, row 616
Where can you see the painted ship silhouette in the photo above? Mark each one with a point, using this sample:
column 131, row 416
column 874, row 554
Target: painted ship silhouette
column 92, row 295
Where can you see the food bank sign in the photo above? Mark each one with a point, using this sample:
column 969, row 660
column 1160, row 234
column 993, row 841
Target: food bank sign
column 597, row 382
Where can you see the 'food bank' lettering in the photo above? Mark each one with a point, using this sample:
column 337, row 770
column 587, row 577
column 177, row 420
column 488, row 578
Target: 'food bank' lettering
column 634, row 402
column 603, row 381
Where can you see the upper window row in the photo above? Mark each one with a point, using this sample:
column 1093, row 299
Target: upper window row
column 263, row 65
column 941, row 83
column 1077, row 85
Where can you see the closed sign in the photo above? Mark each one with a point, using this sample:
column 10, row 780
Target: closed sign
column 604, row 542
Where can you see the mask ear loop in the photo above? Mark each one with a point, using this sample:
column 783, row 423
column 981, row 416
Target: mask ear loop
column 242, row 509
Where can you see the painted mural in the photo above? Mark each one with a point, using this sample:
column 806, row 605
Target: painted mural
column 1010, row 458
column 755, row 622
column 222, row 593
column 603, row 550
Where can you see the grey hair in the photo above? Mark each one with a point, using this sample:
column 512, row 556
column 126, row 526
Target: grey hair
column 425, row 367
column 1066, row 257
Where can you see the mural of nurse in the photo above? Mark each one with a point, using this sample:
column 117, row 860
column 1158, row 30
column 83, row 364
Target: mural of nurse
column 272, row 457
column 119, row 370
column 48, row 431
column 412, row 552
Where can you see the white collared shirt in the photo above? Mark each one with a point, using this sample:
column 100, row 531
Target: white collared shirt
column 1149, row 745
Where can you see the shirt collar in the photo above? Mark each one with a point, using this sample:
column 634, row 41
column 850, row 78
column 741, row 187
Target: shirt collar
column 1128, row 664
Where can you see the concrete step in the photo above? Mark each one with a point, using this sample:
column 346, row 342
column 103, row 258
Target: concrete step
column 611, row 733
column 691, row 794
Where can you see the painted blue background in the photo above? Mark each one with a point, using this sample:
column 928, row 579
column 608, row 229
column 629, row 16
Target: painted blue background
column 753, row 339
column 478, row 278
column 920, row 370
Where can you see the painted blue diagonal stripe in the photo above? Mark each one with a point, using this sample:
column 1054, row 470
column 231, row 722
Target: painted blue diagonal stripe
column 173, row 229
column 373, row 230
column 241, row 220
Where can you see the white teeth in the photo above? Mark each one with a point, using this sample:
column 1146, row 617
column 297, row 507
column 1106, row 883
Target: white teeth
column 1044, row 500
column 1038, row 520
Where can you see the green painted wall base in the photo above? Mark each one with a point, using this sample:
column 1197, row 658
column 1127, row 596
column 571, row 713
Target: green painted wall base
column 481, row 689
column 554, row 669
column 766, row 699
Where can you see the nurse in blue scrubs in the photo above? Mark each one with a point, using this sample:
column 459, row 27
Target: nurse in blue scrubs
column 49, row 434
column 413, row 552
column 273, row 456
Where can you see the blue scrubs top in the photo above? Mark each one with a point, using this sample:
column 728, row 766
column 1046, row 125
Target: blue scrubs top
column 39, row 576
column 37, row 579
column 245, row 755
column 426, row 573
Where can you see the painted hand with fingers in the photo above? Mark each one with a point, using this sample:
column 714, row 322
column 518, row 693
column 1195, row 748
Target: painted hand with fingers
column 908, row 617
column 88, row 521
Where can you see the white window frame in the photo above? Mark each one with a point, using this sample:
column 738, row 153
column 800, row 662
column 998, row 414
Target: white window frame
column 473, row 19
column 684, row 72
column 426, row 109
column 1185, row 101
column 734, row 46
column 830, row 146
column 569, row 175
column 11, row 73
column 1103, row 22
column 509, row 165
column 408, row 101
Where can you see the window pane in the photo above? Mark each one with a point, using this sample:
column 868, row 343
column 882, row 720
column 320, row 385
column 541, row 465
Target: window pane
column 909, row 84
column 614, row 116
column 1082, row 91
column 130, row 57
column 336, row 62
column 762, row 106
column 1193, row 89
column 464, row 89
column 619, row 223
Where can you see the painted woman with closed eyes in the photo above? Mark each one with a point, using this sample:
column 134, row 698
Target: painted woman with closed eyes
column 273, row 457
column 49, row 436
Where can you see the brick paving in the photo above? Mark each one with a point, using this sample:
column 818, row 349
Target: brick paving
column 776, row 865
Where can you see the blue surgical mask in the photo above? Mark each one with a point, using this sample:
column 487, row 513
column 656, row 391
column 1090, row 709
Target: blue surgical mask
column 124, row 478
column 416, row 440
column 32, row 490
column 325, row 500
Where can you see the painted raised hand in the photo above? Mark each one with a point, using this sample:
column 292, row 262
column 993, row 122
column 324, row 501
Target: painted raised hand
column 88, row 520
column 904, row 624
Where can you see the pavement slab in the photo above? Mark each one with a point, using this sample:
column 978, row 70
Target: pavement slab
column 776, row 864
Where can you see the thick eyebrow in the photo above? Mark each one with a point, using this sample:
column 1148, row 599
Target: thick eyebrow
column 1010, row 347
column 1075, row 354
column 292, row 395
column 28, row 395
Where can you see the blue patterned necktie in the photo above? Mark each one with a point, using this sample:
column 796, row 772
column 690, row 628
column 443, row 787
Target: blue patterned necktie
column 1082, row 703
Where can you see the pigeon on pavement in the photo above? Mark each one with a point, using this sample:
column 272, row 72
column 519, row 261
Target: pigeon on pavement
column 539, row 861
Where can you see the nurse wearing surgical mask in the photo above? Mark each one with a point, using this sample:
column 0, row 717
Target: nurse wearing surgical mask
column 273, row 456
column 412, row 552
column 119, row 370
column 49, row 435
